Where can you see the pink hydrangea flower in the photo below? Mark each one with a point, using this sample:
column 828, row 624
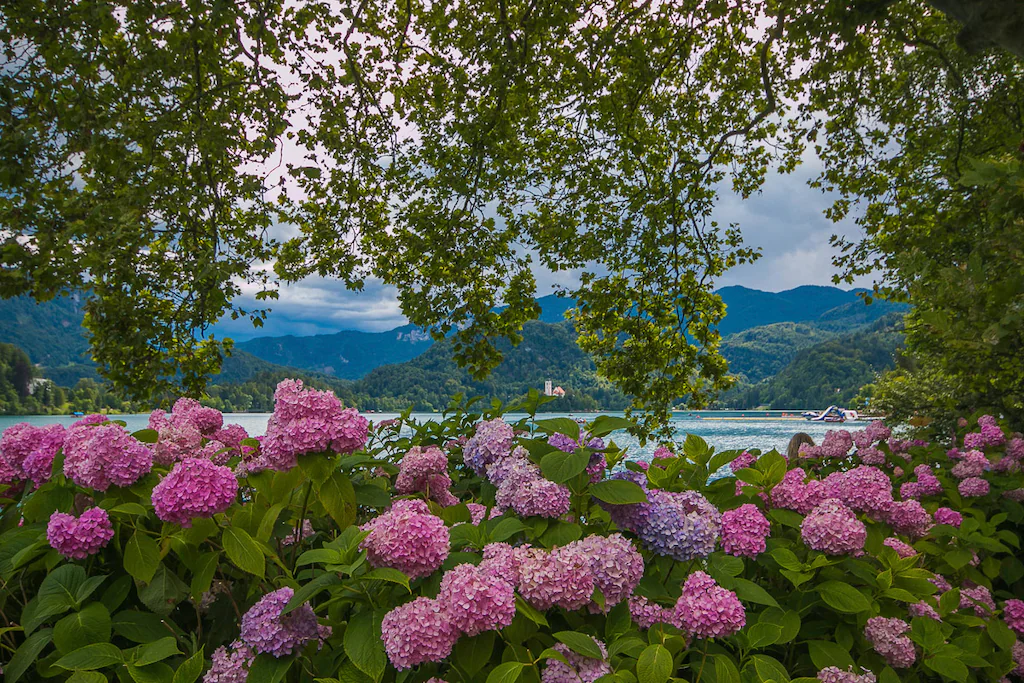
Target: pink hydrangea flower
column 417, row 632
column 561, row 577
column 477, row 600
column 744, row 531
column 973, row 464
column 194, row 488
column 908, row 517
column 580, row 669
column 98, row 456
column 503, row 560
column 310, row 421
column 425, row 470
column 862, row 489
column 744, row 459
column 901, row 548
column 886, row 635
column 832, row 674
column 707, row 610
column 646, row 613
column 266, row 630
column 178, row 437
column 477, row 512
column 76, row 539
column 947, row 516
column 407, row 538
column 793, row 494
column 1013, row 615
column 973, row 487
column 833, row 529
column 305, row 531
column 978, row 598
column 615, row 564
column 663, row 453
column 923, row 609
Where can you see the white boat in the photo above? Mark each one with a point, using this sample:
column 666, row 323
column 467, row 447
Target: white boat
column 830, row 414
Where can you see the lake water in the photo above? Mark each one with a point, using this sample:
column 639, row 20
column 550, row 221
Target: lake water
column 725, row 430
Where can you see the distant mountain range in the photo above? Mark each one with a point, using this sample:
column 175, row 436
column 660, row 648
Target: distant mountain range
column 763, row 333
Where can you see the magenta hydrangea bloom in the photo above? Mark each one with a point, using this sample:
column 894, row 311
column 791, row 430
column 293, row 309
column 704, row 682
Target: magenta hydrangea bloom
column 104, row 455
column 616, row 565
column 477, row 600
column 886, row 635
column 407, row 538
column 947, row 516
column 310, row 421
column 709, row 611
column 1015, row 448
column 793, row 494
column 744, row 531
column 561, row 578
column 973, row 464
column 16, row 442
column 908, row 517
column 973, row 487
column 266, row 630
column 230, row 665
column 477, row 512
column 417, row 632
column 194, row 488
column 580, row 669
column 1013, row 615
column 425, row 470
column 491, row 441
column 901, row 548
column 77, row 539
column 38, row 464
column 178, row 437
column 206, row 420
column 873, row 433
column 832, row 674
column 305, row 531
column 744, row 459
column 923, row 609
column 978, row 598
column 863, row 489
column 1018, row 658
column 871, row 456
column 833, row 529
column 646, row 613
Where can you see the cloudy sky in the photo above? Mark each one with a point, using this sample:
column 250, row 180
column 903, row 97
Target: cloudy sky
column 785, row 220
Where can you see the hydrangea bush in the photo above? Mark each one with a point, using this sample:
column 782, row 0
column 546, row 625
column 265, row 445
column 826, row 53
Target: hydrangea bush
column 482, row 547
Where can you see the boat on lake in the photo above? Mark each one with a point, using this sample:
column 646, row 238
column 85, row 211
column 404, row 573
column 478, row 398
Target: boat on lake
column 831, row 414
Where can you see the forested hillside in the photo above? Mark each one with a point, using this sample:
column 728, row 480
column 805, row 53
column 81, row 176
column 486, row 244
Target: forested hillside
column 831, row 372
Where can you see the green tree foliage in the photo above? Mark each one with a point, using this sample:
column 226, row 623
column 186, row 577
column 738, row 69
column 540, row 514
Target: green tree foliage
column 448, row 147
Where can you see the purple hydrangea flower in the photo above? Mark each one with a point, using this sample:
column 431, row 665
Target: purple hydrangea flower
column 616, row 565
column 683, row 525
column 832, row 674
column 978, row 598
column 1013, row 615
column 973, row 464
column 923, row 609
column 492, row 441
column 908, row 517
column 901, row 548
column 863, row 489
column 886, row 635
column 646, row 613
column 77, row 539
column 194, row 488
column 230, row 665
column 793, row 494
column 266, row 630
column 580, row 669
column 503, row 560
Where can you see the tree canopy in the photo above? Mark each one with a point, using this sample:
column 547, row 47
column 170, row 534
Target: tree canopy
column 167, row 156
